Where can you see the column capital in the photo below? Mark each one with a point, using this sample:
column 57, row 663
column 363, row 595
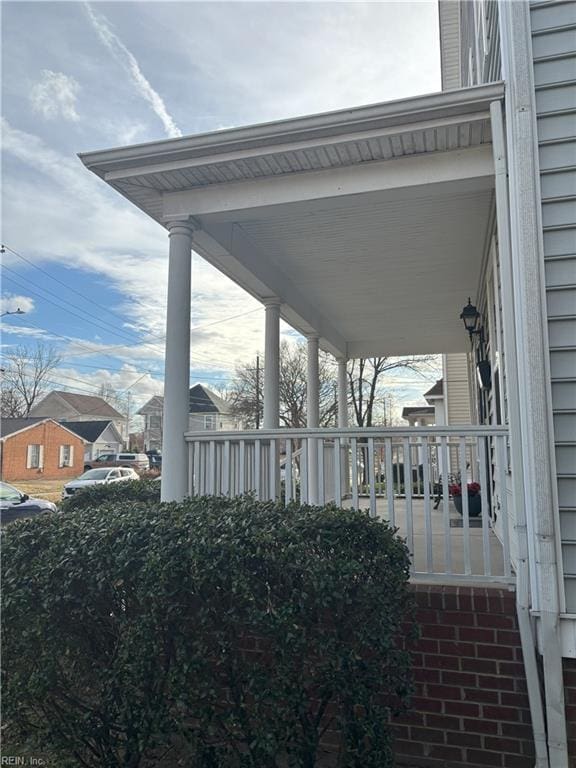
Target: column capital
column 342, row 360
column 271, row 301
column 183, row 227
column 313, row 336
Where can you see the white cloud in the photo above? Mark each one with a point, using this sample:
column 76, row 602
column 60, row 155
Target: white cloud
column 131, row 66
column 55, row 96
column 10, row 302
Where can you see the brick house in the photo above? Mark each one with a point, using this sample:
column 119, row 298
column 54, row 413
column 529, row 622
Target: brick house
column 39, row 449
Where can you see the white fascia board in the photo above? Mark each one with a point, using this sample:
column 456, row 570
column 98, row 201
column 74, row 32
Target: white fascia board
column 263, row 151
column 398, row 346
column 374, row 116
column 228, row 248
column 414, row 170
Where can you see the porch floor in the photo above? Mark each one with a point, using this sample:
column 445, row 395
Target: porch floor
column 438, row 570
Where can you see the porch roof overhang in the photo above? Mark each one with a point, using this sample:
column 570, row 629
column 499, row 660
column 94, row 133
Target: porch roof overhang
column 369, row 224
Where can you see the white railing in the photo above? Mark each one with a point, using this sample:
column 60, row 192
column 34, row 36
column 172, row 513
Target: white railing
column 401, row 475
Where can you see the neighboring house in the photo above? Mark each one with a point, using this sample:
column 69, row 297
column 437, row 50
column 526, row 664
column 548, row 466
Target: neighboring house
column 207, row 411
column 435, row 397
column 419, row 415
column 99, row 436
column 366, row 229
column 33, row 449
column 152, row 415
column 70, row 406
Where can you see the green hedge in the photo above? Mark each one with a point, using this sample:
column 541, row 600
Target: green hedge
column 217, row 633
column 127, row 491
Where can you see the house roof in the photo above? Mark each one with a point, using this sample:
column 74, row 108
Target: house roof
column 436, row 391
column 89, row 404
column 417, row 410
column 405, row 186
column 11, row 426
column 154, row 405
column 202, row 400
column 90, row 430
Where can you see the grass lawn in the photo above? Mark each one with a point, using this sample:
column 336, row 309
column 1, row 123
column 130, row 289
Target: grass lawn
column 41, row 489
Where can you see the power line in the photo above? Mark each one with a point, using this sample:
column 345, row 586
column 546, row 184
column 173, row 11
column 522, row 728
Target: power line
column 95, row 320
column 5, row 247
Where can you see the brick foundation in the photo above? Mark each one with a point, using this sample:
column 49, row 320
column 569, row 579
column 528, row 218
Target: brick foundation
column 471, row 706
column 570, row 694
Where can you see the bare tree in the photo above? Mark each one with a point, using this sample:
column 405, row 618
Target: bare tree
column 246, row 391
column 11, row 404
column 25, row 376
column 365, row 381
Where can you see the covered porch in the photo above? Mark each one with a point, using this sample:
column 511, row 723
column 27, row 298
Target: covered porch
column 365, row 230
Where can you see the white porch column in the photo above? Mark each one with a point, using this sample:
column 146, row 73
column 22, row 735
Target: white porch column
column 343, row 423
column 313, row 417
column 271, row 418
column 177, row 363
column 342, row 393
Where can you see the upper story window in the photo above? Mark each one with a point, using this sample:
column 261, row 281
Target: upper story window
column 210, row 421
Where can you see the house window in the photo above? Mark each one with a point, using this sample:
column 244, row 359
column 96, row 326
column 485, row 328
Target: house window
column 34, row 456
column 66, row 455
column 210, row 421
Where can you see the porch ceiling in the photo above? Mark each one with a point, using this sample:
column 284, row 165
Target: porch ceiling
column 368, row 224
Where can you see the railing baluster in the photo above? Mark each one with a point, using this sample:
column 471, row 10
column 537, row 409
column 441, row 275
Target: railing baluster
column 408, row 494
column 371, row 476
column 226, row 469
column 502, row 463
column 427, row 507
column 257, row 468
column 242, row 467
column 212, row 468
column 190, row 484
column 337, row 473
column 389, row 482
column 446, row 505
column 354, row 447
column 465, row 505
column 482, row 446
column 288, row 472
column 304, row 495
column 319, row 447
column 273, row 470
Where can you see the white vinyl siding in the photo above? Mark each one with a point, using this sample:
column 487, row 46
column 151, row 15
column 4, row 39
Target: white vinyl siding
column 554, row 56
column 35, row 456
column 457, row 389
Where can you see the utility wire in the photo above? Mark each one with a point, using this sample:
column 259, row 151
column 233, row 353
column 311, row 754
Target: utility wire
column 5, row 247
column 94, row 320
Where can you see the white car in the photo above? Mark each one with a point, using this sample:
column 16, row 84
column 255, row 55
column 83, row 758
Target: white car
column 99, row 477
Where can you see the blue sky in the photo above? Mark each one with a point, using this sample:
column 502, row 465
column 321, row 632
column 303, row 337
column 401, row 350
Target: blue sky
column 89, row 269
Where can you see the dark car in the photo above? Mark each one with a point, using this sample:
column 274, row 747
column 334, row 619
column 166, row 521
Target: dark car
column 15, row 505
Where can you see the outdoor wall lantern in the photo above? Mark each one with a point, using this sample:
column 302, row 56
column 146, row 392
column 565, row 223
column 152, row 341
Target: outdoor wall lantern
column 471, row 319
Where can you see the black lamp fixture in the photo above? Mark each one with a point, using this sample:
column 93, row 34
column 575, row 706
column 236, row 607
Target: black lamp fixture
column 471, row 319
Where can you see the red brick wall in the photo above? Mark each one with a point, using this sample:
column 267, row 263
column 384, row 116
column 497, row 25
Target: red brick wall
column 51, row 436
column 471, row 706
